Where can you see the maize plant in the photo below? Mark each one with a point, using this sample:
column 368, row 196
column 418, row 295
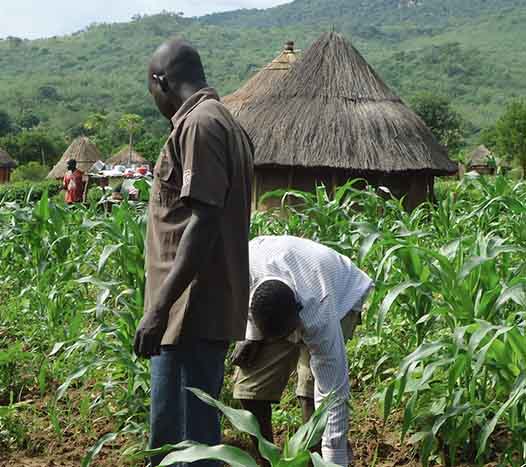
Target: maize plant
column 295, row 452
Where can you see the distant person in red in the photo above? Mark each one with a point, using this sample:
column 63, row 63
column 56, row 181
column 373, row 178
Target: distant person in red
column 73, row 183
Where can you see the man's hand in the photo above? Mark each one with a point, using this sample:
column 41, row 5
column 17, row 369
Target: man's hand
column 245, row 353
column 149, row 335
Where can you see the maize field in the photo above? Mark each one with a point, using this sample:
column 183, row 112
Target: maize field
column 439, row 361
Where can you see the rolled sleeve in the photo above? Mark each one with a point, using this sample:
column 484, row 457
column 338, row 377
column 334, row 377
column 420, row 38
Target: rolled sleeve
column 204, row 154
column 329, row 368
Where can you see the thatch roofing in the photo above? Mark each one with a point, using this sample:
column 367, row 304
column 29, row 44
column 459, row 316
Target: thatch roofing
column 263, row 81
column 6, row 161
column 122, row 157
column 83, row 151
column 480, row 156
column 332, row 110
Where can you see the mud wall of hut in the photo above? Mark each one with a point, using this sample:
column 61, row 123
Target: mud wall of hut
column 5, row 175
column 416, row 187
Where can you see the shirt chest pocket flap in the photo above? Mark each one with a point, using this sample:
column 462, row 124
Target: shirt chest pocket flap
column 164, row 167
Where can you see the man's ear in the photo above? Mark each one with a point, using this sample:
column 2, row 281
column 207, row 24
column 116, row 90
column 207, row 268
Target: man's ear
column 163, row 82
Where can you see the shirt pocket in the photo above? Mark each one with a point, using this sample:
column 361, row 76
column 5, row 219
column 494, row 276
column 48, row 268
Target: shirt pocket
column 164, row 167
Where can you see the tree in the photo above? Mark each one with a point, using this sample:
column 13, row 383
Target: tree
column 488, row 137
column 32, row 171
column 511, row 133
column 49, row 93
column 5, row 123
column 95, row 122
column 37, row 144
column 150, row 146
column 106, row 131
column 442, row 120
column 28, row 120
column 132, row 123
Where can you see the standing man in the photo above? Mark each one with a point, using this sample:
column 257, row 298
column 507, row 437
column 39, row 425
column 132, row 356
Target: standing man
column 305, row 300
column 73, row 183
column 197, row 285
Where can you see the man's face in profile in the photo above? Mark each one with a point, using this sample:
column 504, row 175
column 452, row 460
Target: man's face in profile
column 163, row 100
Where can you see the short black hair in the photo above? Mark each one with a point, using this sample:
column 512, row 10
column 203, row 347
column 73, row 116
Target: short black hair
column 275, row 309
column 72, row 163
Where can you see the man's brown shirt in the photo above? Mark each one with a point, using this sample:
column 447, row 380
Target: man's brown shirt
column 208, row 158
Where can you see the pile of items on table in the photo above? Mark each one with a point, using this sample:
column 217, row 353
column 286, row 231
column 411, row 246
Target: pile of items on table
column 116, row 174
column 125, row 167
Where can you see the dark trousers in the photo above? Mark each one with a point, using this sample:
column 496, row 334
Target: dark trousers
column 175, row 413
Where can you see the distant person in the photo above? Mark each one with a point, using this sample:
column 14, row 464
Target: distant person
column 73, row 183
column 116, row 193
column 197, row 285
column 305, row 301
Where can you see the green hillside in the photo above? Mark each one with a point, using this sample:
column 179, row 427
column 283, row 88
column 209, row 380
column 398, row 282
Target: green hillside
column 469, row 50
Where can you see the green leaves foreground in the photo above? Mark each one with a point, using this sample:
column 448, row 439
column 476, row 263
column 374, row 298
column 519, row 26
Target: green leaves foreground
column 295, row 452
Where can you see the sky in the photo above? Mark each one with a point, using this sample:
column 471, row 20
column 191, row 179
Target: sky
column 33, row 19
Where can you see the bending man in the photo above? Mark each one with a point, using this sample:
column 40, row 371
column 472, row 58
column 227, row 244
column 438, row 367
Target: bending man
column 305, row 299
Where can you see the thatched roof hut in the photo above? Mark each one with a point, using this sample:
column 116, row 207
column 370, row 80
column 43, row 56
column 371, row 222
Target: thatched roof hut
column 481, row 160
column 7, row 164
column 331, row 118
column 83, row 151
column 122, row 157
column 263, row 81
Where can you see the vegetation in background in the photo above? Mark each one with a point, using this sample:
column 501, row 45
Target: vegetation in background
column 469, row 51
column 132, row 124
column 442, row 120
column 40, row 144
column 32, row 171
column 5, row 123
column 510, row 134
column 25, row 191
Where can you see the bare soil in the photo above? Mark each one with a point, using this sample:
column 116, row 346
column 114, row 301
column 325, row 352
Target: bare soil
column 373, row 443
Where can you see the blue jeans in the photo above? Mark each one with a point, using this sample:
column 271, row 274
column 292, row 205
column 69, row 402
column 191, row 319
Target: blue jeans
column 175, row 413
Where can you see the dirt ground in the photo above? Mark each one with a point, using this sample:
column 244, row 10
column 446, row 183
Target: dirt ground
column 48, row 451
column 374, row 445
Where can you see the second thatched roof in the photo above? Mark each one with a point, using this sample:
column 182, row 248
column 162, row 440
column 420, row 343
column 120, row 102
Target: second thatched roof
column 83, row 151
column 332, row 110
column 480, row 156
column 6, row 161
column 263, row 81
column 122, row 157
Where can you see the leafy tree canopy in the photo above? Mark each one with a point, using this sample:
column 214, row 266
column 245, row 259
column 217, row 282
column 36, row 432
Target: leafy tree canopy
column 510, row 133
column 5, row 123
column 442, row 120
column 38, row 144
column 32, row 171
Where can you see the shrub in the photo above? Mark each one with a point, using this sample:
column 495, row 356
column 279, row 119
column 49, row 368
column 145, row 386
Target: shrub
column 28, row 191
column 32, row 171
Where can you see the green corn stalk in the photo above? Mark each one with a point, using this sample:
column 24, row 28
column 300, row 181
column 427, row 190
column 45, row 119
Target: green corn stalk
column 295, row 451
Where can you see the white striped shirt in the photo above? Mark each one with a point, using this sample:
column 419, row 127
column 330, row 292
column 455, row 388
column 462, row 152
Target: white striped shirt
column 329, row 286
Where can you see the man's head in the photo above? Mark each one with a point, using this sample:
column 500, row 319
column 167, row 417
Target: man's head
column 174, row 74
column 72, row 164
column 274, row 309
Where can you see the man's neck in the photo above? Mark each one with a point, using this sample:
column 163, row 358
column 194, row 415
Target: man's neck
column 187, row 90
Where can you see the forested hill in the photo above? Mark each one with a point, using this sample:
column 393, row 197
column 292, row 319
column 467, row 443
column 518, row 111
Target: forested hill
column 362, row 15
column 471, row 51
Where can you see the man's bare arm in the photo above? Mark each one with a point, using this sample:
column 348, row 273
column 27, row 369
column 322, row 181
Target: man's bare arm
column 193, row 252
